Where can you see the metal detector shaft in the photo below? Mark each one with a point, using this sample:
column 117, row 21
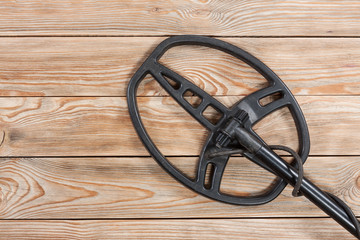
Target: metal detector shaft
column 290, row 175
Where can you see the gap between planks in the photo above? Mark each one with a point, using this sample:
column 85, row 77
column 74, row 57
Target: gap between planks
column 163, row 219
column 170, row 35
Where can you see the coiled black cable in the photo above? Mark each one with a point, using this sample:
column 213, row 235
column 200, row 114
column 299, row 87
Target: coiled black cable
column 296, row 191
column 299, row 164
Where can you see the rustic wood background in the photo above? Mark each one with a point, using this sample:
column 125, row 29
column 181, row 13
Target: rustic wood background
column 71, row 164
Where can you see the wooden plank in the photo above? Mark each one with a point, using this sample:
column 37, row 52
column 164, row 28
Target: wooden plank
column 96, row 188
column 213, row 229
column 103, row 66
column 221, row 18
column 100, row 126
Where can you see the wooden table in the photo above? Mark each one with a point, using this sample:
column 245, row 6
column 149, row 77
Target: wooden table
column 72, row 166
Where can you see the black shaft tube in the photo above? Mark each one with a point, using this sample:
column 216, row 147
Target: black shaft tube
column 290, row 175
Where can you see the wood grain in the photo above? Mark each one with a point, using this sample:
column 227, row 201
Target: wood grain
column 100, row 126
column 103, row 66
column 213, row 229
column 147, row 17
column 71, row 164
column 96, row 188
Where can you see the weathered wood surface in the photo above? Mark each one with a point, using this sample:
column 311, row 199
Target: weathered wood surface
column 102, row 188
column 213, row 229
column 100, row 126
column 88, row 66
column 71, row 160
column 146, row 17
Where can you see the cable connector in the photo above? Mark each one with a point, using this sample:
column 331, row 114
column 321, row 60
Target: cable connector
column 226, row 134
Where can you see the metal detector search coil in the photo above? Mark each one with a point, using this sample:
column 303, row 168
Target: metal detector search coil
column 233, row 132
